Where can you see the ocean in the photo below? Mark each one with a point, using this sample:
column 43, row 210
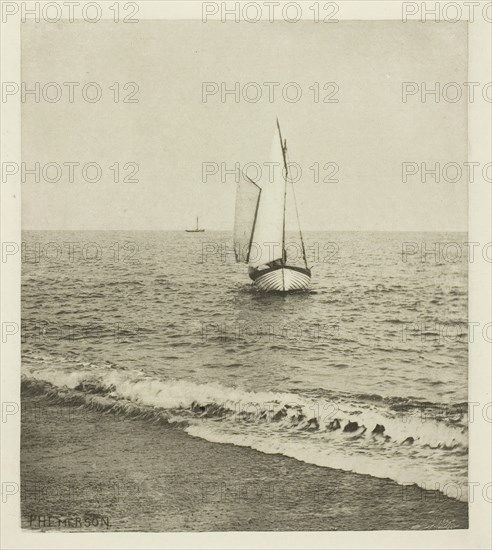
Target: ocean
column 366, row 372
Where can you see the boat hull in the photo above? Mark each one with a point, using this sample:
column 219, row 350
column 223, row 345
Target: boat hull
column 281, row 279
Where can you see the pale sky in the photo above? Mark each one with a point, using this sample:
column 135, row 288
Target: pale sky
column 171, row 132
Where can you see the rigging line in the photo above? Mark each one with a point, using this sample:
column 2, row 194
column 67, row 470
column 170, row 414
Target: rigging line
column 253, row 228
column 298, row 221
column 283, row 146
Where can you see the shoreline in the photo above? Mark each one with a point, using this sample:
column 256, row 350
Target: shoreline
column 90, row 471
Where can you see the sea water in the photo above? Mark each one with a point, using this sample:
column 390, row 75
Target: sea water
column 367, row 371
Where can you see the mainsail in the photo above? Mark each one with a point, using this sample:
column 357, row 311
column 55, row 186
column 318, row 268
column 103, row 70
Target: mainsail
column 268, row 236
column 247, row 200
column 274, row 265
column 260, row 222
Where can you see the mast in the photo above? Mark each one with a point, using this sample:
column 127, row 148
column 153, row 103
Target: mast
column 283, row 145
column 197, row 222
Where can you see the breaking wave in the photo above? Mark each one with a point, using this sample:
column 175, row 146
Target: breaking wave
column 367, row 434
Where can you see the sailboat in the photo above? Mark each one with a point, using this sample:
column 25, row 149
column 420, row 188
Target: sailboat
column 259, row 228
column 196, row 230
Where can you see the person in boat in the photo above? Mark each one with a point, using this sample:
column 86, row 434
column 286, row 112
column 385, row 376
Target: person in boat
column 279, row 262
column 275, row 264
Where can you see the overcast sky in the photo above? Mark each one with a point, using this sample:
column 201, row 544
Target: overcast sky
column 171, row 132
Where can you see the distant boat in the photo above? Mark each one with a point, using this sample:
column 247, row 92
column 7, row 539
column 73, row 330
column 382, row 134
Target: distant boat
column 259, row 228
column 196, row 230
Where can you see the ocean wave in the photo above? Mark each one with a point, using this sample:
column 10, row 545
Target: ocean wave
column 365, row 434
column 425, row 423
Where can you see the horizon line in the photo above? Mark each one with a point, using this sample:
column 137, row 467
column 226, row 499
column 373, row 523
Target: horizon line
column 179, row 230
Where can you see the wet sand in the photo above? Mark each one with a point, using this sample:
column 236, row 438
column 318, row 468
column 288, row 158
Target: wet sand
column 82, row 470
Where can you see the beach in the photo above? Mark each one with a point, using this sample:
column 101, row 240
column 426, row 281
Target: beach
column 84, row 470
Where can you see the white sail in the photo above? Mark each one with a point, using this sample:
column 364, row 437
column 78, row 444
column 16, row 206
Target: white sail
column 268, row 232
column 260, row 238
column 247, row 197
